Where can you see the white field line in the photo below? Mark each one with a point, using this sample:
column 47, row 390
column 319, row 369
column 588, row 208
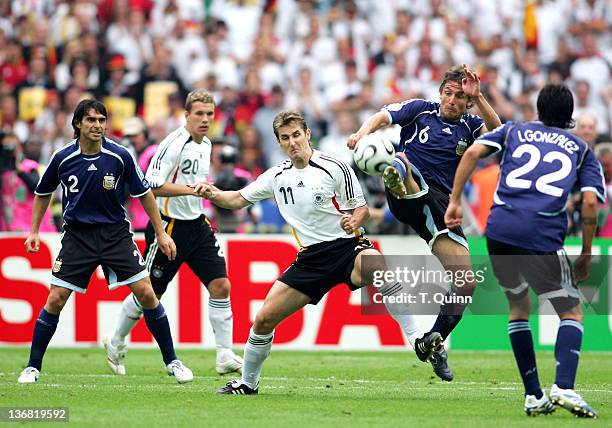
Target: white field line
column 338, row 383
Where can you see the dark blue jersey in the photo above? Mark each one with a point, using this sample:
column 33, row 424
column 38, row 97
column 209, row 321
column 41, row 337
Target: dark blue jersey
column 93, row 186
column 432, row 144
column 540, row 167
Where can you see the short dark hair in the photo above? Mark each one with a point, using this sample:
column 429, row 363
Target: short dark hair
column 287, row 117
column 556, row 106
column 456, row 73
column 81, row 110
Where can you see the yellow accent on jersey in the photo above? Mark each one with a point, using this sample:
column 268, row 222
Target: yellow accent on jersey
column 170, row 227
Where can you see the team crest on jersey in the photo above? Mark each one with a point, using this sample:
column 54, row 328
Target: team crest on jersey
column 461, row 146
column 57, row 265
column 318, row 198
column 108, row 182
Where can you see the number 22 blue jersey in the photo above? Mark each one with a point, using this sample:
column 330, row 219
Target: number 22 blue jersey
column 540, row 167
column 433, row 144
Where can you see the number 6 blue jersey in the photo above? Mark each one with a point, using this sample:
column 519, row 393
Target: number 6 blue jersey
column 540, row 167
column 433, row 144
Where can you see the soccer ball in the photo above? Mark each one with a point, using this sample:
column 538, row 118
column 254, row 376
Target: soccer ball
column 373, row 154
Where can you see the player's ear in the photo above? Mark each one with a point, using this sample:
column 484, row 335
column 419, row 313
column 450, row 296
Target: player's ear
column 308, row 134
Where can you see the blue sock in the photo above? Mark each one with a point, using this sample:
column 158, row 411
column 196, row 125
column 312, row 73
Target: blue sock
column 43, row 332
column 399, row 164
column 567, row 352
column 522, row 345
column 449, row 316
column 157, row 323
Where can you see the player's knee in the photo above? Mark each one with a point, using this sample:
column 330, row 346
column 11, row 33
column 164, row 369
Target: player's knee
column 57, row 299
column 265, row 322
column 219, row 288
column 145, row 294
column 573, row 314
column 369, row 267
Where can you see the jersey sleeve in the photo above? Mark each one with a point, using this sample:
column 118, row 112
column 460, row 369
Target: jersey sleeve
column 404, row 112
column 163, row 163
column 261, row 188
column 349, row 194
column 50, row 178
column 134, row 177
column 590, row 176
column 475, row 123
column 495, row 139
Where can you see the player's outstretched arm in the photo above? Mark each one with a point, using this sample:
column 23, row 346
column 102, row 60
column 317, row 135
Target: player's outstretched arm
column 172, row 189
column 373, row 123
column 164, row 241
column 350, row 223
column 588, row 212
column 454, row 213
column 40, row 205
column 471, row 87
column 229, row 199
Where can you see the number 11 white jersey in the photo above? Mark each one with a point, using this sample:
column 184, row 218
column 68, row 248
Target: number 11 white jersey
column 310, row 199
column 180, row 160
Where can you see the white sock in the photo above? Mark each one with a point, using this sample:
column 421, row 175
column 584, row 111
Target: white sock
column 256, row 351
column 408, row 322
column 131, row 311
column 222, row 321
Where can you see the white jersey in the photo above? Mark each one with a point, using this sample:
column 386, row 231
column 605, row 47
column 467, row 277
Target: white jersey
column 180, row 160
column 310, row 199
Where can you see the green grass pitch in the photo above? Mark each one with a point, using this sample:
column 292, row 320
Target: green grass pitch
column 322, row 388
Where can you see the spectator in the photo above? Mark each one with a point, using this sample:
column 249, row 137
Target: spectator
column 136, row 134
column 20, row 174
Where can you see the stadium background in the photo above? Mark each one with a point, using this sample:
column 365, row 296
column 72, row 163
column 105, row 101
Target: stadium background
column 337, row 61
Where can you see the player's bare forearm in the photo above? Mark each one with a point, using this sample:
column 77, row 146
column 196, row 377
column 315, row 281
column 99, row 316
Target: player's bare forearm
column 150, row 207
column 39, row 207
column 588, row 213
column 360, row 216
column 491, row 119
column 172, row 189
column 229, row 199
column 373, row 123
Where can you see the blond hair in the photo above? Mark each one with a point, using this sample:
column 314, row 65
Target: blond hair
column 198, row 95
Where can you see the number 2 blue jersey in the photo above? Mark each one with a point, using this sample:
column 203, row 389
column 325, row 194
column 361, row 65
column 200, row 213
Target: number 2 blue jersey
column 432, row 144
column 93, row 186
column 540, row 167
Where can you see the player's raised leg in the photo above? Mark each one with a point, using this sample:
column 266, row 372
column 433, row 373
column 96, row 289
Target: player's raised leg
column 44, row 329
column 280, row 302
column 222, row 321
column 157, row 323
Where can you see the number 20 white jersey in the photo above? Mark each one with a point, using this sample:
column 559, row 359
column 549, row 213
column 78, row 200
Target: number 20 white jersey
column 310, row 199
column 180, row 160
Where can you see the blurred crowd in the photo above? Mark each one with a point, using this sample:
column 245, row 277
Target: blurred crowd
column 337, row 61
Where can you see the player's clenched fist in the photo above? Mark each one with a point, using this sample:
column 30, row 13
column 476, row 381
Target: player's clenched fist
column 32, row 244
column 348, row 224
column 353, row 140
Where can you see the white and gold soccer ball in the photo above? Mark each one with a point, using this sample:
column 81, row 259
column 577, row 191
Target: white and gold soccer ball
column 373, row 154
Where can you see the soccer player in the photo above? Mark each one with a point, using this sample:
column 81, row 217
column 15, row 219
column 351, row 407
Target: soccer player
column 94, row 172
column 434, row 136
column 541, row 164
column 320, row 197
column 183, row 158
